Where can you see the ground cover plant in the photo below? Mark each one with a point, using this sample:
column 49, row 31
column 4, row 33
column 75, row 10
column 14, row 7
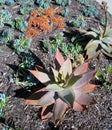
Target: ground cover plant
column 53, row 54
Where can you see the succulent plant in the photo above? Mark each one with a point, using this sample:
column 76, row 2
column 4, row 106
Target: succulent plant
column 66, row 87
column 101, row 42
column 21, row 44
column 5, row 37
column 20, row 24
column 78, row 21
column 83, row 2
column 5, row 18
column 90, row 11
column 63, row 2
column 102, row 38
column 43, row 3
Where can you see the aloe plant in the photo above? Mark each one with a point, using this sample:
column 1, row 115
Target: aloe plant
column 66, row 87
column 102, row 39
column 101, row 42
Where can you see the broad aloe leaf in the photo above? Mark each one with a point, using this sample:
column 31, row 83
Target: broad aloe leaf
column 70, row 82
column 78, row 107
column 91, row 48
column 107, row 40
column 67, row 96
column 94, row 34
column 35, row 97
column 54, row 87
column 66, row 68
column 46, row 113
column 47, row 99
column 56, row 74
column 81, row 69
column 84, row 79
column 86, row 88
column 110, row 55
column 41, row 76
column 59, row 59
column 60, row 109
column 108, row 31
column 107, row 48
column 82, row 98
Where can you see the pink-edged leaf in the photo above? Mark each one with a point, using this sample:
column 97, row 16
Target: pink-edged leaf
column 39, row 68
column 67, row 96
column 81, row 69
column 59, row 58
column 78, row 107
column 84, row 79
column 82, row 98
column 54, row 87
column 35, row 97
column 41, row 76
column 66, row 68
column 86, row 88
column 46, row 112
column 59, row 110
column 47, row 99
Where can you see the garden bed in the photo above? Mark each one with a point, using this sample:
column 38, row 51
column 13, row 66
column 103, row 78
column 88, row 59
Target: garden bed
column 19, row 116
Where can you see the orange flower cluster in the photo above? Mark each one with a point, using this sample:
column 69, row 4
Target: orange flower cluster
column 42, row 21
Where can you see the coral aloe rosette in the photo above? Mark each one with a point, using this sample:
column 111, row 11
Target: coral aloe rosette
column 65, row 88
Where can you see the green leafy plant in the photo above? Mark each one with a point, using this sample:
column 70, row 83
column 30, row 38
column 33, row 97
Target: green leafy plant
column 53, row 45
column 73, row 52
column 66, row 87
column 5, row 37
column 84, row 2
column 5, row 18
column 90, row 11
column 63, row 2
column 20, row 24
column 21, row 44
column 78, row 21
column 43, row 3
column 22, row 77
column 104, row 77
